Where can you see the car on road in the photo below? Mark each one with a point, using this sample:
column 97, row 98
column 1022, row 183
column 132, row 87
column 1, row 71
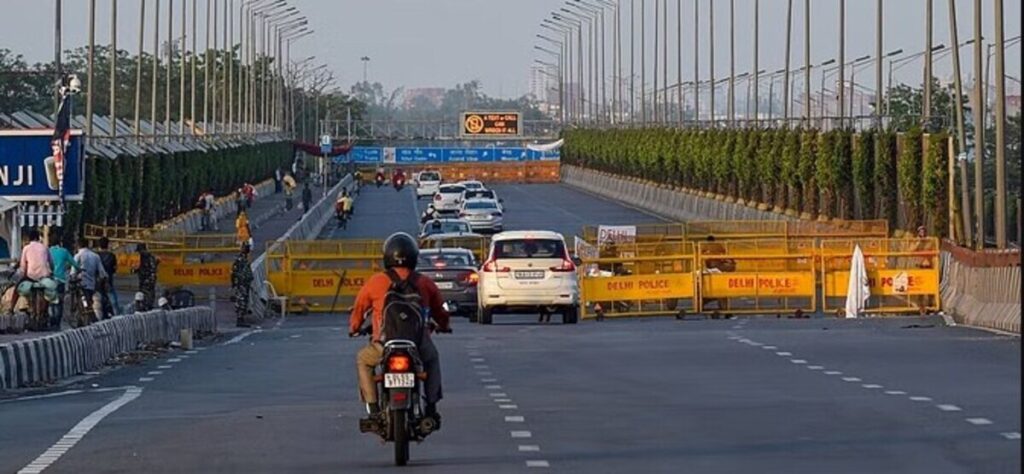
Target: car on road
column 448, row 197
column 483, row 215
column 483, row 194
column 528, row 272
column 472, row 184
column 427, row 183
column 454, row 270
column 445, row 226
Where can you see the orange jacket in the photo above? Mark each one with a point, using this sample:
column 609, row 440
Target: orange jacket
column 372, row 294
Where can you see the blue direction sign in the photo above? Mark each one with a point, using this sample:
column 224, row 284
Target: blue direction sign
column 417, row 155
column 28, row 171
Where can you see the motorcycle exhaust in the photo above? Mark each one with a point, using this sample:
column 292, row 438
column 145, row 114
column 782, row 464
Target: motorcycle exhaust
column 426, row 426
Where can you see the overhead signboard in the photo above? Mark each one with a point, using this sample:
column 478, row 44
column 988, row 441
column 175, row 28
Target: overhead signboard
column 28, row 171
column 414, row 155
column 491, row 124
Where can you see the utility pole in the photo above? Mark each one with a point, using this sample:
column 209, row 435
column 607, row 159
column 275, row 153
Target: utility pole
column 195, row 51
column 156, row 67
column 138, row 70
column 1000, row 201
column 654, row 94
column 961, row 133
column 842, row 59
column 58, row 20
column 664, row 61
column 90, row 68
column 181, row 66
column 170, row 64
column 696, row 61
column 926, row 102
column 112, row 113
column 679, row 62
column 711, row 58
column 757, row 72
column 979, row 130
column 732, row 63
column 878, row 63
column 643, row 62
column 785, row 80
column 632, row 61
column 807, row 61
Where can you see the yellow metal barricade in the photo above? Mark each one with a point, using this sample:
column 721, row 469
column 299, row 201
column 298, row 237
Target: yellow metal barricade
column 656, row 279
column 756, row 277
column 903, row 274
column 735, row 230
column 322, row 275
column 645, row 233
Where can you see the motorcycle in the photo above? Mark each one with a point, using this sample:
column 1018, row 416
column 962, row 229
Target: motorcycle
column 380, row 179
column 400, row 378
column 399, row 182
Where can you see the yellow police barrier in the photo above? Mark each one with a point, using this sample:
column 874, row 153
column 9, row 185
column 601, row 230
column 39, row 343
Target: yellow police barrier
column 740, row 277
column 322, row 275
column 638, row 280
column 645, row 233
column 742, row 230
column 903, row 274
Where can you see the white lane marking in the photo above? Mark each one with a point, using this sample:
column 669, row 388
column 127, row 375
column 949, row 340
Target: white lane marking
column 509, row 407
column 192, row 352
column 979, row 421
column 493, row 387
column 521, row 434
column 947, row 407
column 833, row 372
column 798, row 361
column 174, row 360
column 514, row 419
column 200, row 348
column 895, row 392
column 145, row 379
column 78, row 432
column 164, row 367
column 538, row 463
column 920, row 399
column 499, row 395
column 769, row 348
column 784, row 354
column 154, row 372
column 1011, row 435
column 481, row 367
column 851, row 379
column 755, row 344
column 528, row 448
column 485, row 373
column 183, row 356
column 502, row 400
column 477, row 359
column 871, row 385
column 240, row 337
column 490, row 380
column 295, row 336
column 814, row 367
column 43, row 396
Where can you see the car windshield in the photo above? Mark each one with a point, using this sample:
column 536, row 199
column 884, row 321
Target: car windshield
column 479, row 193
column 429, row 176
column 480, row 205
column 451, row 189
column 436, row 260
column 472, row 185
column 529, row 248
column 445, row 227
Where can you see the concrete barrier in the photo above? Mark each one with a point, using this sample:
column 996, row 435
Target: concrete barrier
column 981, row 295
column 672, row 204
column 56, row 356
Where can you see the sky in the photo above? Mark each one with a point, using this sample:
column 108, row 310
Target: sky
column 439, row 43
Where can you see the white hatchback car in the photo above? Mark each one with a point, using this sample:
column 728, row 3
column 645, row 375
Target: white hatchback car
column 472, row 185
column 427, row 183
column 482, row 215
column 448, row 198
column 528, row 272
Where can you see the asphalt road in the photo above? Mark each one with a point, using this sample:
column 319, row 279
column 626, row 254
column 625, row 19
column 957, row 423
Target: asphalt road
column 653, row 395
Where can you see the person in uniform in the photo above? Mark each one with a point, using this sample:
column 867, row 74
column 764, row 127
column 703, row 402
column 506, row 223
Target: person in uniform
column 147, row 275
column 241, row 281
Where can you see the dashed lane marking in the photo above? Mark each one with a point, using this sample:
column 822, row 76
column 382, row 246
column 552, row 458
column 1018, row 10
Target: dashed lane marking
column 521, row 434
column 814, row 367
column 871, row 386
column 979, row 421
column 145, row 379
column 164, row 367
column 528, row 448
column 947, row 407
column 174, row 360
column 502, row 400
column 490, row 380
column 154, row 372
column 920, row 399
column 493, row 387
column 851, row 379
column 514, row 419
column 784, row 354
column 769, row 348
column 509, row 407
column 240, row 337
column 832, row 372
column 78, row 432
column 477, row 360
column 895, row 392
column 1011, row 435
column 538, row 463
column 798, row 361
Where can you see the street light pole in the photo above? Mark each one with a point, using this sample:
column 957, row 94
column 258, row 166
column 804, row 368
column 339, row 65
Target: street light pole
column 926, row 102
column 878, row 64
column 732, row 63
column 696, row 61
column 979, row 131
column 842, row 59
column 138, row 70
column 958, row 107
column 156, row 67
column 757, row 38
column 90, row 68
column 1000, row 201
column 807, row 61
column 785, row 80
column 112, row 113
column 711, row 59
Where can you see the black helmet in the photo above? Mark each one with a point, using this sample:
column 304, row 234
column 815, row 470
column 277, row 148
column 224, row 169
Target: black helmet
column 401, row 250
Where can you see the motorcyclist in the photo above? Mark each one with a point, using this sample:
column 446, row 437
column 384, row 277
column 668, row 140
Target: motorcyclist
column 400, row 256
column 380, row 175
column 398, row 178
column 429, row 214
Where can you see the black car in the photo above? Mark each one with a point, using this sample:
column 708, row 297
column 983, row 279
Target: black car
column 454, row 270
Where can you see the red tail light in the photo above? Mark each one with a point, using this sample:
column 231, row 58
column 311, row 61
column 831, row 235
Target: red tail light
column 492, row 266
column 399, row 363
column 471, row 278
column 440, row 264
column 565, row 266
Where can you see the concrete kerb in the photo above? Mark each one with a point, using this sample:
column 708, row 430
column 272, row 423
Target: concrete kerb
column 55, row 356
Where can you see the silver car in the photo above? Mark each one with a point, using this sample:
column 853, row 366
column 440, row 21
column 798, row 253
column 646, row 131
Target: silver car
column 482, row 215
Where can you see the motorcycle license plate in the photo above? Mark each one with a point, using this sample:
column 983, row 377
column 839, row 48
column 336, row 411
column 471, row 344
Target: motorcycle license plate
column 399, row 380
column 445, row 285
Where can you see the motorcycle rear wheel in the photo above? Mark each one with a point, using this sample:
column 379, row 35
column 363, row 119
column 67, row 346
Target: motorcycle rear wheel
column 401, row 435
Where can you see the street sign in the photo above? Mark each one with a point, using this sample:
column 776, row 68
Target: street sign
column 28, row 171
column 414, row 155
column 325, row 145
column 325, row 140
column 490, row 124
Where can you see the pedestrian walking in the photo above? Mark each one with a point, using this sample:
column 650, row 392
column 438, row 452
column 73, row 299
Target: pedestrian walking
column 278, row 177
column 289, row 191
column 307, row 198
column 241, row 283
column 62, row 263
column 242, row 230
column 108, row 293
column 93, row 276
column 147, row 275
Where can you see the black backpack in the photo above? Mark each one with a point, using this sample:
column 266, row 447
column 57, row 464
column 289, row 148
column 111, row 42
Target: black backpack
column 403, row 315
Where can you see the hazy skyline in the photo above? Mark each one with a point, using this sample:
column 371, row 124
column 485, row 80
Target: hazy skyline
column 438, row 43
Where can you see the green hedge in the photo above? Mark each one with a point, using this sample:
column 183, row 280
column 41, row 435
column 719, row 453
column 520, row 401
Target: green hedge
column 141, row 191
column 834, row 174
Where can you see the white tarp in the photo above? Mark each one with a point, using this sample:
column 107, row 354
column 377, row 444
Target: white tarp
column 546, row 147
column 616, row 234
column 858, row 291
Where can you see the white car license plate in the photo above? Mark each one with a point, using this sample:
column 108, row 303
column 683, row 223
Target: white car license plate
column 529, row 274
column 399, row 380
column 445, row 285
